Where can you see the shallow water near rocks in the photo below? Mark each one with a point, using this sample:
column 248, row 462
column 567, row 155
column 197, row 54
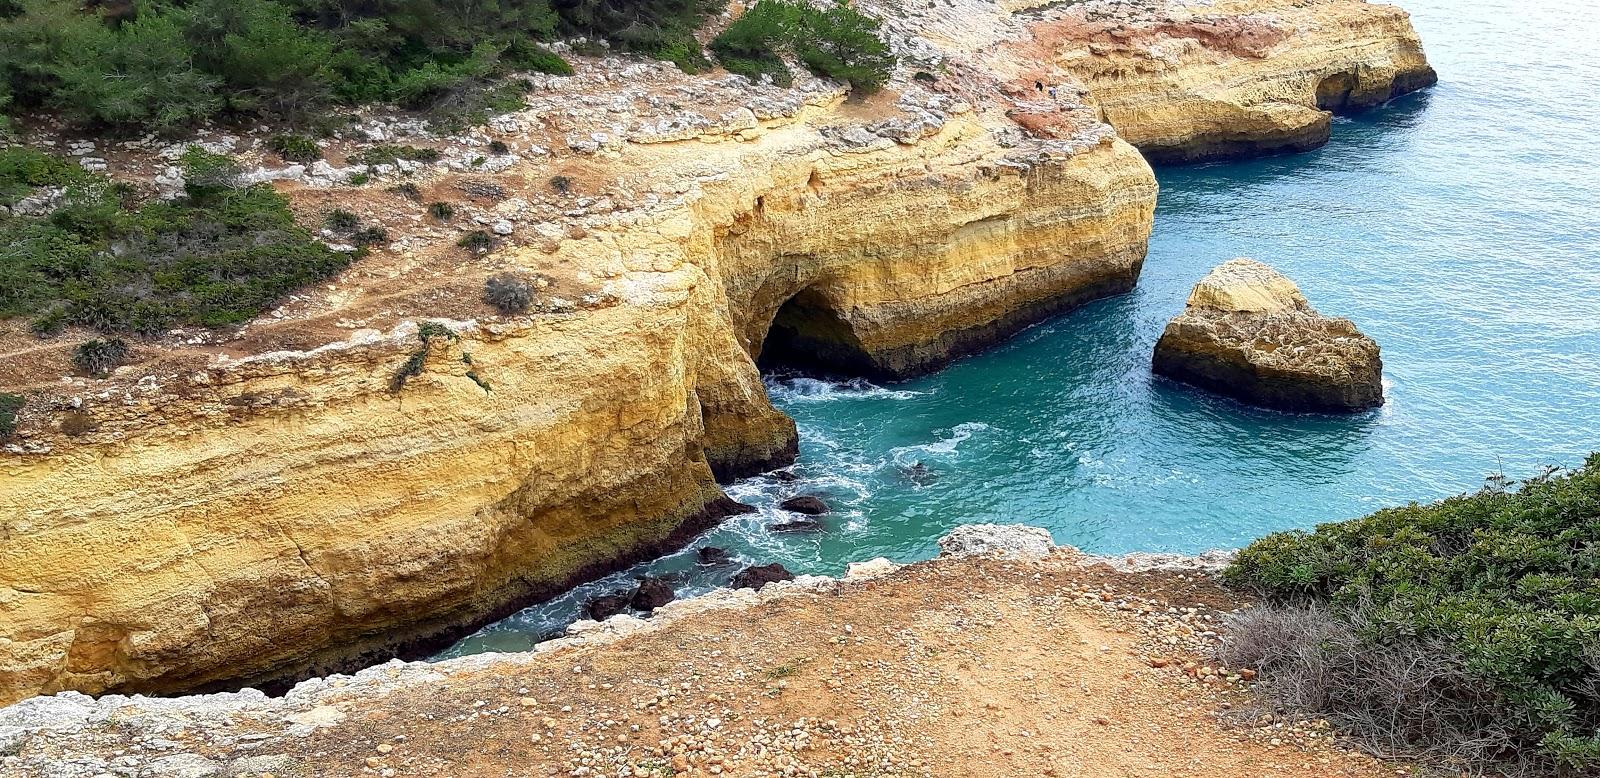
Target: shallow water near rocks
column 1460, row 228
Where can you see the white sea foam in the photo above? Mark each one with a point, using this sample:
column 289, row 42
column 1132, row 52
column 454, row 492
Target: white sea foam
column 810, row 390
column 905, row 456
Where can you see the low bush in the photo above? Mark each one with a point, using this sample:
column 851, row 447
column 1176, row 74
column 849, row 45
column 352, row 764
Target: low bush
column 442, row 211
column 341, row 221
column 561, row 184
column 407, row 190
column 508, row 292
column 10, row 406
column 295, row 148
column 1466, row 631
column 218, row 256
column 97, row 358
column 527, row 55
column 476, row 241
column 412, row 367
column 24, row 169
column 837, row 42
column 369, row 236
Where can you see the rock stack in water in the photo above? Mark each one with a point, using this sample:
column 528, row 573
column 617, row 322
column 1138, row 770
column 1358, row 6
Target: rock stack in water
column 1248, row 333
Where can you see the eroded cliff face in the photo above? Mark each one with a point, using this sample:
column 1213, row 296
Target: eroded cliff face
column 258, row 506
column 1237, row 78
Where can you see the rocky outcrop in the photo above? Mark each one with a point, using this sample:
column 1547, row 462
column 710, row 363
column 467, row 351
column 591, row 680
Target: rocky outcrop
column 757, row 576
column 1239, row 78
column 254, row 507
column 1248, row 333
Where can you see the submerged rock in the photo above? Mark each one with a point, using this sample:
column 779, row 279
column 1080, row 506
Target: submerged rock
column 1248, row 333
column 711, row 555
column 803, row 525
column 651, row 594
column 806, row 504
column 757, row 576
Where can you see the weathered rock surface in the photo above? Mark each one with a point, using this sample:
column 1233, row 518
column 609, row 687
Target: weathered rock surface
column 757, row 576
column 651, row 594
column 1237, row 78
column 606, row 605
column 1248, row 333
column 253, row 507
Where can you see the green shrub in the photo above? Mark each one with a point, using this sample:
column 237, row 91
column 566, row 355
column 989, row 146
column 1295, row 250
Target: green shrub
column 442, row 211
column 341, row 221
column 219, row 256
column 295, row 148
column 10, row 406
column 508, row 292
column 97, row 358
column 476, row 241
column 412, row 367
column 24, row 169
column 562, row 184
column 527, row 55
column 499, row 148
column 370, row 236
column 1501, row 586
column 407, row 190
column 838, row 42
column 206, row 174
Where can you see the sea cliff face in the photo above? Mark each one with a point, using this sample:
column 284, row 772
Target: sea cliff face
column 256, row 507
column 1238, row 78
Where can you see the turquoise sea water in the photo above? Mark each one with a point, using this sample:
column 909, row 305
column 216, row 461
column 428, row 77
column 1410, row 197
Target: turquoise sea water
column 1460, row 228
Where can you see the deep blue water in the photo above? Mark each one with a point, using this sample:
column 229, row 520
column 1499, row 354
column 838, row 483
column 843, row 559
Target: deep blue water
column 1460, row 228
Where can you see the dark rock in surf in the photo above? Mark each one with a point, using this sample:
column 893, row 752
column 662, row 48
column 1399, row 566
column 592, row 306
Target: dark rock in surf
column 606, row 605
column 806, row 504
column 803, row 525
column 757, row 576
column 651, row 594
column 711, row 555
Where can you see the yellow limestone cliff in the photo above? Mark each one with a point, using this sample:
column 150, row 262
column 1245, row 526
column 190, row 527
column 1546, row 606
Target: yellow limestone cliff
column 251, row 507
column 1236, row 78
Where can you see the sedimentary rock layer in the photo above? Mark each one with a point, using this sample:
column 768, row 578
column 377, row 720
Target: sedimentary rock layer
column 270, row 516
column 1237, row 78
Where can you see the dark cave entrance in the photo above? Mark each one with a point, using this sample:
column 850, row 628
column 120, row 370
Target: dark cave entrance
column 809, row 337
column 1333, row 92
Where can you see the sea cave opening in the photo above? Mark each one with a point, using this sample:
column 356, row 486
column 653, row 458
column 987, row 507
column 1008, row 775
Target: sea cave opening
column 808, row 336
column 1333, row 92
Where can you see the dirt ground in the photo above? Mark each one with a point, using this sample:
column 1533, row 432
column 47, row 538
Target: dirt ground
column 951, row 668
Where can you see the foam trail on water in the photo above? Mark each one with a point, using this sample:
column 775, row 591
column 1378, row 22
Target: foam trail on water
column 811, row 390
column 906, row 456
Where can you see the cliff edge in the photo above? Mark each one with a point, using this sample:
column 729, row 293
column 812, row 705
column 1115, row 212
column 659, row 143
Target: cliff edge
column 1040, row 662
